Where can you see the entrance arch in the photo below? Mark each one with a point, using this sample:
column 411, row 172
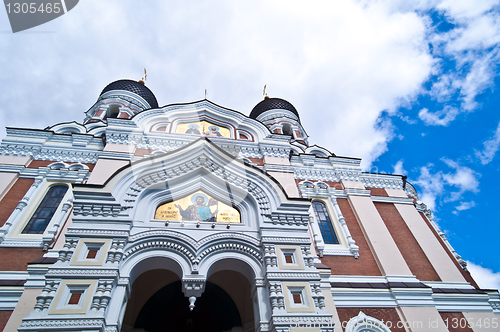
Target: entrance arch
column 168, row 310
column 157, row 301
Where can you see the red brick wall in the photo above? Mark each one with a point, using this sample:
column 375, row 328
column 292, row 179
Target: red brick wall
column 4, row 318
column 408, row 246
column 455, row 321
column 348, row 265
column 464, row 273
column 388, row 316
column 378, row 192
column 11, row 199
column 17, row 259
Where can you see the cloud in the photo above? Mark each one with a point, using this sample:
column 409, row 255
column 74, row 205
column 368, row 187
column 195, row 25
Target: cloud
column 464, row 206
column 338, row 63
column 473, row 46
column 490, row 148
column 464, row 178
column 438, row 118
column 449, row 187
column 484, row 277
column 398, row 168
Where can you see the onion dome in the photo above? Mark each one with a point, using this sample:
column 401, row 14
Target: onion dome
column 272, row 104
column 135, row 87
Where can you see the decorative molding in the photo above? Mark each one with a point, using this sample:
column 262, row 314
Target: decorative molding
column 310, row 276
column 36, row 324
column 81, row 272
column 97, row 210
column 291, row 240
column 96, row 233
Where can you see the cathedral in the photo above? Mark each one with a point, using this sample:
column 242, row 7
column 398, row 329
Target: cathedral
column 196, row 217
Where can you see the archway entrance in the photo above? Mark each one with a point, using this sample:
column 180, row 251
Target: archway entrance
column 168, row 310
column 157, row 303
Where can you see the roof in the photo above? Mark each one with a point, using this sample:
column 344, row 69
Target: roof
column 134, row 87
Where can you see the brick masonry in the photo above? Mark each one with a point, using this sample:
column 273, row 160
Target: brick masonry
column 407, row 244
column 11, row 199
column 388, row 316
column 365, row 265
column 17, row 259
column 378, row 192
column 455, row 321
column 4, row 318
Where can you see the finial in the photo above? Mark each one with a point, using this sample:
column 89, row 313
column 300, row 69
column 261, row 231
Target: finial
column 143, row 79
column 264, row 93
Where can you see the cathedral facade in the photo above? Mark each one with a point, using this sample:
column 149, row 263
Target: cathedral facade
column 195, row 217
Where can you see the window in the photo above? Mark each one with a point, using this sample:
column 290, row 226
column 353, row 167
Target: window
column 297, row 297
column 92, row 253
column 45, row 211
column 113, row 111
column 287, row 129
column 324, row 223
column 289, row 258
column 75, row 296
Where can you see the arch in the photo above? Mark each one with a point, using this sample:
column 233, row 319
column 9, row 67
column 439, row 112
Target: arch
column 214, row 311
column 147, row 260
column 237, row 263
column 319, row 151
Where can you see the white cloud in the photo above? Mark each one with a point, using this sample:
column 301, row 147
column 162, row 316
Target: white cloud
column 464, row 178
column 438, row 118
column 484, row 277
column 398, row 168
column 337, row 62
column 464, row 206
column 490, row 148
column 449, row 187
column 432, row 186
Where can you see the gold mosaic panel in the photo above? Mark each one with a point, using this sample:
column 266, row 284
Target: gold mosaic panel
column 198, row 207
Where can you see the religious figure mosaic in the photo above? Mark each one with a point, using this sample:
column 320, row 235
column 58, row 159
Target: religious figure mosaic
column 198, row 207
column 202, row 128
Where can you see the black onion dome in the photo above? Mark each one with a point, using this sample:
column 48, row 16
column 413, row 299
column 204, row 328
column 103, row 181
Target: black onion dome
column 271, row 104
column 134, row 87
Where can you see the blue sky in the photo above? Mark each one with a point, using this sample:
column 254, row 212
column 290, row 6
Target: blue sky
column 408, row 85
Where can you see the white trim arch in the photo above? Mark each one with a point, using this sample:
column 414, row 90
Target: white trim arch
column 364, row 323
column 145, row 260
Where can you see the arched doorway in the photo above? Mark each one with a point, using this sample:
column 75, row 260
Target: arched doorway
column 168, row 310
column 157, row 303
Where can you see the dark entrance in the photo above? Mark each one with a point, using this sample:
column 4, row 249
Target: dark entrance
column 168, row 310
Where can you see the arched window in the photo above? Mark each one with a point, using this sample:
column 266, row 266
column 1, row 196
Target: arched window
column 113, row 111
column 45, row 211
column 287, row 129
column 324, row 223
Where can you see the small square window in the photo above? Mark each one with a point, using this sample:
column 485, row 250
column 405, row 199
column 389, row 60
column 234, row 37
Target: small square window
column 297, row 297
column 289, row 258
column 92, row 253
column 75, row 296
